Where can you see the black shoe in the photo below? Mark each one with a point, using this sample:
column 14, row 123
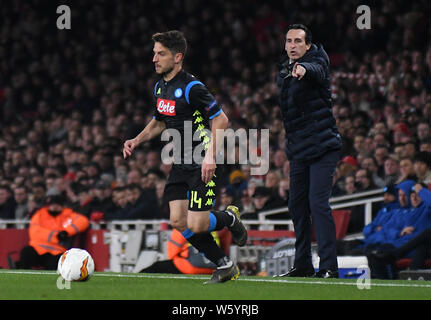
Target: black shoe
column 239, row 232
column 298, row 272
column 326, row 274
column 223, row 274
column 387, row 257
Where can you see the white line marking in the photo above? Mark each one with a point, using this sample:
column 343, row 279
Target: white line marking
column 204, row 277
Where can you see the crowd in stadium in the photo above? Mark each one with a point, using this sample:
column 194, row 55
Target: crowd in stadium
column 70, row 98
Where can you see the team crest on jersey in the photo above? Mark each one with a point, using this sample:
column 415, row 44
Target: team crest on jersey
column 166, row 107
column 178, row 93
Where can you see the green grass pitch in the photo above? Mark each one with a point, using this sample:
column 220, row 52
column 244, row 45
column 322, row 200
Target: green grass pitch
column 44, row 285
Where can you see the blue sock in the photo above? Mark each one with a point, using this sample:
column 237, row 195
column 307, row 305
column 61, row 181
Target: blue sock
column 219, row 220
column 213, row 222
column 187, row 233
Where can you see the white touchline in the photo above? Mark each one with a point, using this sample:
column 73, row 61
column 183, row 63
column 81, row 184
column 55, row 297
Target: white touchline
column 202, row 277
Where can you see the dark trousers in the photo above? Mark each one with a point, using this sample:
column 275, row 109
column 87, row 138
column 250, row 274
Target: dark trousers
column 380, row 269
column 419, row 246
column 29, row 258
column 310, row 190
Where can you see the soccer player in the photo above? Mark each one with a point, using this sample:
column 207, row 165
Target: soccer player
column 181, row 101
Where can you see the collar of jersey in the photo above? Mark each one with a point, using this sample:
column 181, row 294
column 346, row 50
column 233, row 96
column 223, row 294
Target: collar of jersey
column 181, row 72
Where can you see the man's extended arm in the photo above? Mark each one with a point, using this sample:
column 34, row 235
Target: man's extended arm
column 209, row 164
column 153, row 129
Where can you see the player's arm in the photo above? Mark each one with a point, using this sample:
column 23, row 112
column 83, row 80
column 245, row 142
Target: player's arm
column 220, row 122
column 153, row 129
column 208, row 105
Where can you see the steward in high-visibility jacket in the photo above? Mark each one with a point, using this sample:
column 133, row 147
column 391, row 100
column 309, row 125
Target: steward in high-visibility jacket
column 52, row 226
column 186, row 258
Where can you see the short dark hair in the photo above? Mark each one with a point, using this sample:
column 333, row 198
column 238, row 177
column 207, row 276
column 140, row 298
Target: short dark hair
column 308, row 35
column 174, row 40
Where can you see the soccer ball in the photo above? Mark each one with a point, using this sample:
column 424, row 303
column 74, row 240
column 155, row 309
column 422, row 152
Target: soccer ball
column 75, row 265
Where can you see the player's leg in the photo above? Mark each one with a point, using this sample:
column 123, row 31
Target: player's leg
column 178, row 214
column 200, row 238
column 202, row 220
column 202, row 199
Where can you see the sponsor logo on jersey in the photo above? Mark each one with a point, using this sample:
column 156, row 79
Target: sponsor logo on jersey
column 166, row 107
column 178, row 93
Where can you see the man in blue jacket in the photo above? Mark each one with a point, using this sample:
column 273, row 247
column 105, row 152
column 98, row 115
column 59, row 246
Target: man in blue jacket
column 401, row 230
column 313, row 146
column 375, row 233
column 395, row 204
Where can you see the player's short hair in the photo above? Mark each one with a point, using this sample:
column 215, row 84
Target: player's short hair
column 174, row 40
column 308, row 35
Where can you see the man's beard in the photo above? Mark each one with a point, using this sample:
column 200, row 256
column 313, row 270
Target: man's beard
column 166, row 72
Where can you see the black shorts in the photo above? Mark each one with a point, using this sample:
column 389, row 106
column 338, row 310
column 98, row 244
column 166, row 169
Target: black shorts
column 185, row 184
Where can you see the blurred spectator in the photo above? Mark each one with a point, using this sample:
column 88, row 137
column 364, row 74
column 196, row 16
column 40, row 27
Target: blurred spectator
column 153, row 160
column 407, row 171
column 272, row 181
column 226, row 199
column 247, row 204
column 37, row 197
column 409, row 149
column 263, row 200
column 161, row 202
column 422, row 167
column 7, row 203
column 237, row 184
column 425, row 145
column 392, row 171
column 364, row 180
column 134, row 177
column 278, row 162
column 85, row 203
column 349, row 184
column 284, row 190
column 21, row 199
column 423, row 130
column 381, row 152
column 102, row 197
column 346, row 166
column 134, row 203
column 369, row 163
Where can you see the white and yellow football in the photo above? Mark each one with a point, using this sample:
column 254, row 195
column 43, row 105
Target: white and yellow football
column 75, row 265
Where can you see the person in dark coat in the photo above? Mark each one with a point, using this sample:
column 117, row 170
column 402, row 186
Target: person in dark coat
column 142, row 204
column 313, row 146
column 7, row 203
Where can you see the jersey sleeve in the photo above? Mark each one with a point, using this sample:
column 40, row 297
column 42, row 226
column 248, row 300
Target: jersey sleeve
column 200, row 98
column 156, row 114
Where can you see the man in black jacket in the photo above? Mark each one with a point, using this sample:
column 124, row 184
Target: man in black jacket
column 313, row 146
